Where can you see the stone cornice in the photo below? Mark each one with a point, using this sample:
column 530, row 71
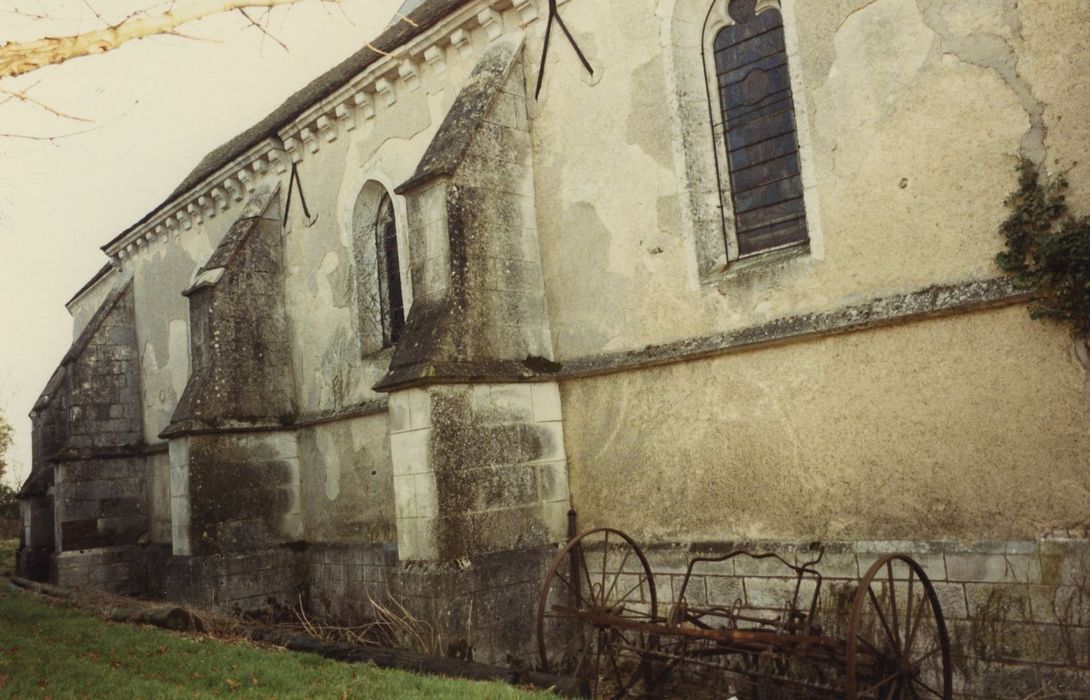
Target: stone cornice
column 344, row 109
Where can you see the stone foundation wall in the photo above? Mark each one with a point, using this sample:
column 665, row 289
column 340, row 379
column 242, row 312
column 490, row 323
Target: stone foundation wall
column 481, row 608
column 1018, row 613
column 101, row 502
column 343, row 578
column 122, row 570
column 265, row 581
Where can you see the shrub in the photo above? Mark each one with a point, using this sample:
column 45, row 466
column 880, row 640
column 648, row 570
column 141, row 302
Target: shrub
column 1048, row 250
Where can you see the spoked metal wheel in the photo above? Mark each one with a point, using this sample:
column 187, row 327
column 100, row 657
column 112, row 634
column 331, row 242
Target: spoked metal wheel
column 898, row 647
column 593, row 613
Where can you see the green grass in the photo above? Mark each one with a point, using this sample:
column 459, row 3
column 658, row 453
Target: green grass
column 58, row 651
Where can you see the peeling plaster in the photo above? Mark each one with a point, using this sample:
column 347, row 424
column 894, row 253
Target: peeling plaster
column 968, row 36
column 647, row 122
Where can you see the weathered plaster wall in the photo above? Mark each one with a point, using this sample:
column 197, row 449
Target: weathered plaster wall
column 907, row 172
column 943, row 428
column 161, row 272
column 83, row 308
column 332, row 371
column 347, row 481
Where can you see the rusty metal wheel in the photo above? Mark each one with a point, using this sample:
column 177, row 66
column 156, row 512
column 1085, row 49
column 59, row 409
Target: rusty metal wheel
column 897, row 646
column 593, row 612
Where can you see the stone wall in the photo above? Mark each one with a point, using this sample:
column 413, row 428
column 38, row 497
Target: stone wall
column 104, row 381
column 235, row 492
column 347, row 485
column 266, row 582
column 1018, row 612
column 477, row 468
column 122, row 570
column 101, row 502
column 478, row 607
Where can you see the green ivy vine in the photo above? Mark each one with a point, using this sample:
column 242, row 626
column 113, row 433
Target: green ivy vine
column 1048, row 250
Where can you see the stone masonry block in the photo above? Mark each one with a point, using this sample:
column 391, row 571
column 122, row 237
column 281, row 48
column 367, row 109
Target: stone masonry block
column 546, row 401
column 416, row 539
column 409, row 452
column 773, row 593
column 552, row 480
column 999, row 602
column 769, row 566
column 724, row 590
column 667, row 560
column 695, row 591
column 934, row 565
column 835, row 564
column 998, row 568
column 424, row 490
column 952, row 599
column 405, row 496
column 399, row 411
column 1064, row 604
column 1065, row 562
column 555, row 518
column 550, row 439
column 419, row 409
column 512, row 402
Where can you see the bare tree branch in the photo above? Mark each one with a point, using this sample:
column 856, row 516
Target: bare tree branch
column 94, row 11
column 55, row 137
column 18, row 58
column 22, row 96
column 264, row 30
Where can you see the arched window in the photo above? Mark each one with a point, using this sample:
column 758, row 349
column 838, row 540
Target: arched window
column 756, row 133
column 389, row 272
column 379, row 296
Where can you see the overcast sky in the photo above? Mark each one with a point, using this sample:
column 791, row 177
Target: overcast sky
column 154, row 108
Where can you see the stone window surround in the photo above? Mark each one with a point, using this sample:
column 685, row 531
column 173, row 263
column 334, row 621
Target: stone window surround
column 690, row 27
column 350, row 197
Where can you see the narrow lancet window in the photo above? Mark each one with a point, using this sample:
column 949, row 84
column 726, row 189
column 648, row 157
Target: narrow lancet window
column 759, row 132
column 389, row 273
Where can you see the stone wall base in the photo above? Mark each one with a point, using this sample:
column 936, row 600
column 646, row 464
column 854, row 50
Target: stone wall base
column 474, row 608
column 1018, row 613
column 266, row 582
column 33, row 564
column 480, row 608
column 122, row 570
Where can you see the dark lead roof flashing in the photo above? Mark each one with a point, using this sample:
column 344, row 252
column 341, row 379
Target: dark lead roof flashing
column 422, row 18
